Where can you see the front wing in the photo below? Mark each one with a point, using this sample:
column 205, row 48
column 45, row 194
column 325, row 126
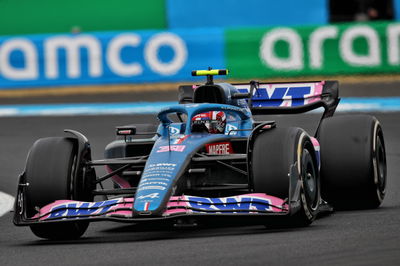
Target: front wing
column 120, row 209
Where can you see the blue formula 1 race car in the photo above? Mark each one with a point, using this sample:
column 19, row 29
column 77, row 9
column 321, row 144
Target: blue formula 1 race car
column 210, row 161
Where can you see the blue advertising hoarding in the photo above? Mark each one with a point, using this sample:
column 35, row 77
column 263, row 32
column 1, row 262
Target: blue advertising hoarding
column 108, row 57
column 396, row 9
column 237, row 13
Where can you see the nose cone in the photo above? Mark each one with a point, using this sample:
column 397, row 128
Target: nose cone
column 167, row 162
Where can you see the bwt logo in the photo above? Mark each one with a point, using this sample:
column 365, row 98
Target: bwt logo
column 275, row 96
column 83, row 209
column 245, row 204
column 22, row 58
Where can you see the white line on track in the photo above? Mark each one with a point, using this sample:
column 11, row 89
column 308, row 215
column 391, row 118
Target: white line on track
column 6, row 203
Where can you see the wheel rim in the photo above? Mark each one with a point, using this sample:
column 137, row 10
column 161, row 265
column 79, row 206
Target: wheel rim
column 310, row 182
column 380, row 162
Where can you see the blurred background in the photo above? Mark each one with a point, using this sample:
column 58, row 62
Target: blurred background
column 123, row 45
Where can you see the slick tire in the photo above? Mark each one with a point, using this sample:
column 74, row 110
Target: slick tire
column 353, row 162
column 49, row 171
column 276, row 154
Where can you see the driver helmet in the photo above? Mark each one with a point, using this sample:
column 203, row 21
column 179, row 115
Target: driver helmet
column 213, row 122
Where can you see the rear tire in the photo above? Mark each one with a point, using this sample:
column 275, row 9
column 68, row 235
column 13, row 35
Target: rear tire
column 353, row 162
column 49, row 171
column 276, row 153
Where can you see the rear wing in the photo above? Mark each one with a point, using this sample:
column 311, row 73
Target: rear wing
column 280, row 98
column 294, row 97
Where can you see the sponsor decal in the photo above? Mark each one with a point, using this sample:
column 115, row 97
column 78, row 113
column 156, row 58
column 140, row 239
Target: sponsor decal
column 231, row 129
column 156, row 176
column 147, row 187
column 154, row 179
column 234, row 108
column 122, row 207
column 345, row 40
column 151, row 196
column 219, row 148
column 159, row 171
column 351, row 48
column 72, row 46
column 162, row 165
column 82, row 208
column 106, row 57
column 153, row 183
column 177, row 148
column 284, row 95
column 231, row 203
column 174, row 130
column 178, row 139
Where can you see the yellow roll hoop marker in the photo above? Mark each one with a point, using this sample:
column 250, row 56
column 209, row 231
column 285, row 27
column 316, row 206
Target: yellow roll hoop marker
column 211, row 72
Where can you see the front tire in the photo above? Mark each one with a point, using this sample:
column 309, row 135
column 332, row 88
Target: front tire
column 277, row 154
column 50, row 173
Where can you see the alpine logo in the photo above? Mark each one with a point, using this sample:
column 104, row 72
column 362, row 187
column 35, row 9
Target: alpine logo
column 149, row 196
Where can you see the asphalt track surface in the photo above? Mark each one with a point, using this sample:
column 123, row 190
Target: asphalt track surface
column 369, row 237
